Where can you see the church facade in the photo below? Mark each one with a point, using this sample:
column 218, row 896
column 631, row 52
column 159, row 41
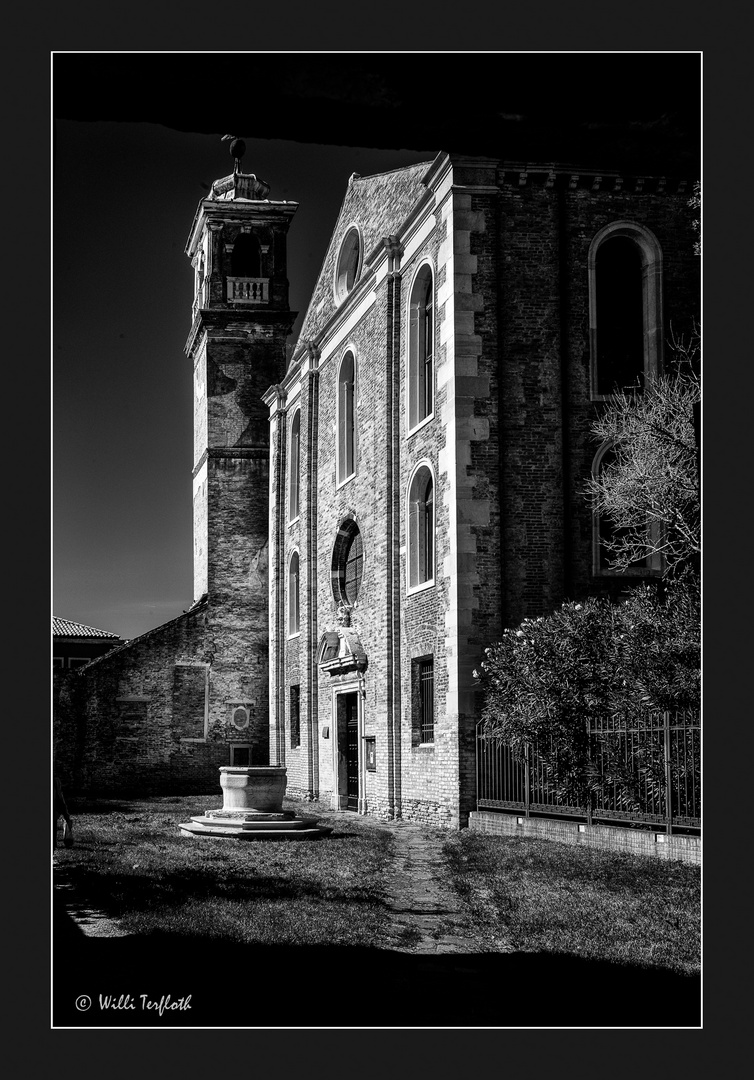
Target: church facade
column 372, row 515
column 429, row 447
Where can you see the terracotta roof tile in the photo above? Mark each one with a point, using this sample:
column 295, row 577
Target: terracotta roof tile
column 66, row 628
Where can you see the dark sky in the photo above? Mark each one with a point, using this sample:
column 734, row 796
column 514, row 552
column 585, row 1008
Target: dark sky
column 130, row 167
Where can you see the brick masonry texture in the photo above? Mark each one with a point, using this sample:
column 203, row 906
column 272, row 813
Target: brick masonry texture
column 508, row 444
column 609, row 838
column 162, row 715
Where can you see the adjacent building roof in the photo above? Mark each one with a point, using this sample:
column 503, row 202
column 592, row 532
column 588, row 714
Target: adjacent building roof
column 66, row 628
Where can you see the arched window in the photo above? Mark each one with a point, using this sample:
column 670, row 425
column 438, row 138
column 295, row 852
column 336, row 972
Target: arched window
column 625, row 305
column 421, row 375
column 294, row 467
column 346, row 418
column 294, row 616
column 347, row 563
column 245, row 257
column 348, row 264
column 605, row 534
column 421, row 529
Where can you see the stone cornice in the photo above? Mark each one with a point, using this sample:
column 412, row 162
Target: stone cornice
column 570, row 178
column 215, row 213
column 227, row 453
column 276, row 400
column 549, row 175
column 236, row 320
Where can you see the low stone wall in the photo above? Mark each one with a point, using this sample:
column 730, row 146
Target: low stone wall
column 608, row 837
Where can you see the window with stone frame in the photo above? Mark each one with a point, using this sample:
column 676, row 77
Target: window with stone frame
column 295, row 715
column 421, row 376
column 294, row 610
column 348, row 264
column 240, row 755
column 421, row 529
column 294, row 467
column 347, row 570
column 423, row 700
column 625, row 304
column 346, row 418
column 604, row 531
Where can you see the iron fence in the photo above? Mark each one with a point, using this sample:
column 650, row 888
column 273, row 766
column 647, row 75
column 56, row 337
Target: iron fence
column 646, row 771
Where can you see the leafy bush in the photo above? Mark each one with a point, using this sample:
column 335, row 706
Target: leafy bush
column 546, row 681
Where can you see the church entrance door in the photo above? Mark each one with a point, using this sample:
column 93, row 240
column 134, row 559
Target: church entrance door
column 352, row 750
column 348, row 750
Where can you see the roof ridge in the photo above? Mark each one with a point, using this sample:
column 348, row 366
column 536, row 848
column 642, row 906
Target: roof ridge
column 72, row 628
column 387, row 172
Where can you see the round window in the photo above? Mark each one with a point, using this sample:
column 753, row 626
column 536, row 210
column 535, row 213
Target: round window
column 349, row 264
column 348, row 564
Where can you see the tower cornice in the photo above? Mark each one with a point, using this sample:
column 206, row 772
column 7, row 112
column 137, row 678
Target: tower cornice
column 214, row 214
column 234, row 322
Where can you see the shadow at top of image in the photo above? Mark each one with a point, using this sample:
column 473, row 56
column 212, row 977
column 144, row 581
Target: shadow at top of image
column 248, row 986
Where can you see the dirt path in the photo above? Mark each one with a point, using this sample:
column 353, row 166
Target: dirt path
column 425, row 913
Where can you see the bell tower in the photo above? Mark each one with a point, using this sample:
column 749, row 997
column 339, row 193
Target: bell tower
column 240, row 323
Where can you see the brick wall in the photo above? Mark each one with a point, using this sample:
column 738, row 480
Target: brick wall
column 508, row 445
column 126, row 715
column 543, row 298
column 610, row 838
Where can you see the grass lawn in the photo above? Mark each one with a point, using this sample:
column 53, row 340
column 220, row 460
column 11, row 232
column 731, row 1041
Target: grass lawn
column 131, row 861
column 598, row 932
column 521, row 894
column 540, row 896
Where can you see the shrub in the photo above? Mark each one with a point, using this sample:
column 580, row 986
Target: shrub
column 549, row 678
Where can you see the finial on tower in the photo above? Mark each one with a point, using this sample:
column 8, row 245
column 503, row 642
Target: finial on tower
column 237, row 150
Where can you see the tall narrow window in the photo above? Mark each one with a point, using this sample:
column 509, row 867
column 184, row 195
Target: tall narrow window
column 423, row 700
column 295, row 716
column 294, row 620
column 421, row 529
column 294, row 467
column 421, row 376
column 606, row 535
column 625, row 305
column 346, row 419
column 620, row 321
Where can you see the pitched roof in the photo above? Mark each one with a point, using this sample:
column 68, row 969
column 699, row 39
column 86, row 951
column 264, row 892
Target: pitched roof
column 66, row 628
column 378, row 204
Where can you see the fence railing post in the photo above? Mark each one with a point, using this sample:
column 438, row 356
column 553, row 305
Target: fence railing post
column 668, row 773
column 588, row 790
column 527, row 793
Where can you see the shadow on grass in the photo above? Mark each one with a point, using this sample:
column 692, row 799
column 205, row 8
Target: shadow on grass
column 125, row 804
column 232, row 985
column 116, row 893
column 97, row 807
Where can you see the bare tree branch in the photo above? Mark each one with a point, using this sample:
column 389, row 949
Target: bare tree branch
column 649, row 487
